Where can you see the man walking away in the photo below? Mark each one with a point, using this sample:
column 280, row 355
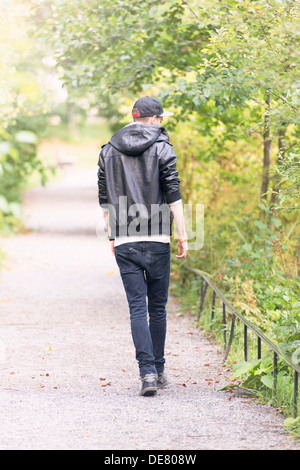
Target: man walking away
column 140, row 196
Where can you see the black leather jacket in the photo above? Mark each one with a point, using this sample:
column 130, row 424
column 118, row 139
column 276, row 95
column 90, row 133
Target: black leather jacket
column 137, row 170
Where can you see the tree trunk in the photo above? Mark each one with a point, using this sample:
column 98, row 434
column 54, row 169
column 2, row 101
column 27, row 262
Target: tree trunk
column 267, row 148
column 280, row 159
column 281, row 143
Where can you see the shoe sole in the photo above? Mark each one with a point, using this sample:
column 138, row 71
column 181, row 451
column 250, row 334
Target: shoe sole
column 148, row 392
column 162, row 385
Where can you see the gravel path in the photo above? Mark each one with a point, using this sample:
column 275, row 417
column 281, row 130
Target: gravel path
column 69, row 379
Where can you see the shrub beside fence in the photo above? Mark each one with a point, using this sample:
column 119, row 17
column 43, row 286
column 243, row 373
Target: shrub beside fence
column 261, row 337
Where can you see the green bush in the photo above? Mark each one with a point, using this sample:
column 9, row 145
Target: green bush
column 18, row 160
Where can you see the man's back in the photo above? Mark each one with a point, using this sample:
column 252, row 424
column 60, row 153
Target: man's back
column 138, row 164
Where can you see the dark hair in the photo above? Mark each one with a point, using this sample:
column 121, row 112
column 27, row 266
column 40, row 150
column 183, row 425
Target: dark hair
column 144, row 120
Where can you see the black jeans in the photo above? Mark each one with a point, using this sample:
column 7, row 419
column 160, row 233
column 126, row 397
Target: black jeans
column 145, row 272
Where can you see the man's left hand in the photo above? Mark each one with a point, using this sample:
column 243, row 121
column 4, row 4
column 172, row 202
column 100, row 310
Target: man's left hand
column 182, row 249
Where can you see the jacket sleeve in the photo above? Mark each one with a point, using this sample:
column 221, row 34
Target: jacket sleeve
column 102, row 193
column 169, row 175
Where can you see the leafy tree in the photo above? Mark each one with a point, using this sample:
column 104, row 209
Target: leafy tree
column 24, row 103
column 232, row 66
column 204, row 57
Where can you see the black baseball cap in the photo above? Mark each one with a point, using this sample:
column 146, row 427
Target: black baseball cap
column 148, row 107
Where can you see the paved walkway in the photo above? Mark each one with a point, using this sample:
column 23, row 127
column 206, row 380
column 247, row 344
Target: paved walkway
column 68, row 376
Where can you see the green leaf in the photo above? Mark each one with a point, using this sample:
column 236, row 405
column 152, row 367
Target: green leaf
column 245, row 367
column 247, row 247
column 296, row 356
column 206, row 92
column 260, row 224
column 292, row 422
column 197, row 100
column 263, row 207
column 268, row 381
column 146, row 87
column 276, row 222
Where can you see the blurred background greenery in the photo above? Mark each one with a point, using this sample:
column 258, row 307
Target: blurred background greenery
column 70, row 71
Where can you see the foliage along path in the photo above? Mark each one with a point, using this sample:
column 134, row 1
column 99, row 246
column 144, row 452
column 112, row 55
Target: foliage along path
column 69, row 379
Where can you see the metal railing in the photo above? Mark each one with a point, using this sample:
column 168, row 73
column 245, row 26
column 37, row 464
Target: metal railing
column 205, row 282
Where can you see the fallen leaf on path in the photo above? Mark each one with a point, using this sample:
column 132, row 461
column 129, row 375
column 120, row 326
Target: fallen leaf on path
column 105, row 385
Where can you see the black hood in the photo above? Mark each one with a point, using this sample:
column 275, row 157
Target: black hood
column 134, row 139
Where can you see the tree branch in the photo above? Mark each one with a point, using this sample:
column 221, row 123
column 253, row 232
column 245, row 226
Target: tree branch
column 187, row 5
